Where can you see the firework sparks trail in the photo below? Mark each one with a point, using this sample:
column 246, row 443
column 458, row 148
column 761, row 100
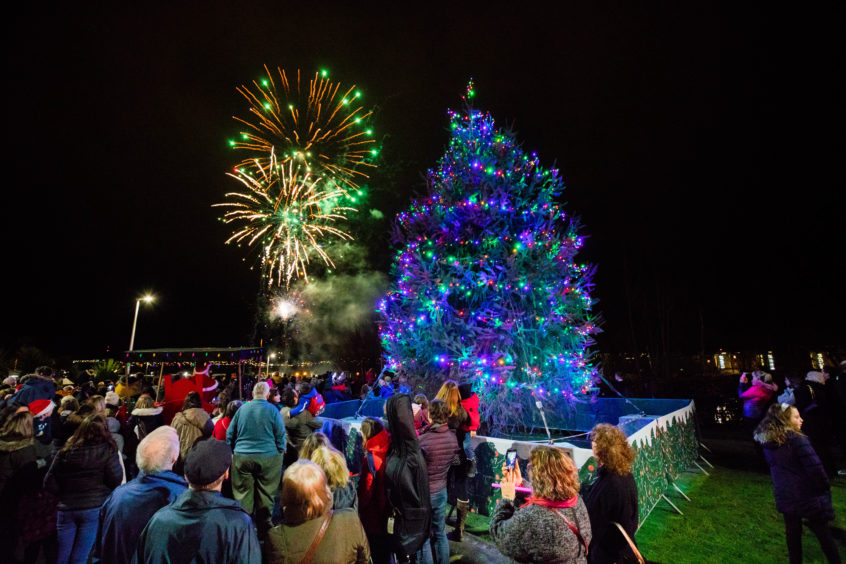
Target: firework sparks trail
column 288, row 214
column 317, row 126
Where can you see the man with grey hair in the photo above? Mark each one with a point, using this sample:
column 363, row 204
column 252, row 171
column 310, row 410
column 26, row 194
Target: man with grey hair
column 128, row 509
column 257, row 437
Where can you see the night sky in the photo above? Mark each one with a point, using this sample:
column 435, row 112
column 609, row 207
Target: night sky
column 701, row 147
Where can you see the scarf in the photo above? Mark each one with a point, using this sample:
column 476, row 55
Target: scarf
column 552, row 503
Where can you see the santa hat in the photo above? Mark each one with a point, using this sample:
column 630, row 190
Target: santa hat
column 41, row 408
column 209, row 384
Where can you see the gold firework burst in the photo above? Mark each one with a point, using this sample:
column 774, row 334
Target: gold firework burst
column 288, row 214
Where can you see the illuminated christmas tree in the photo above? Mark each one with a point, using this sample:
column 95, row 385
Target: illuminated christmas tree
column 485, row 283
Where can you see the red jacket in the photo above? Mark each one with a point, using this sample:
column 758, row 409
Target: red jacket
column 372, row 498
column 471, row 406
column 221, row 427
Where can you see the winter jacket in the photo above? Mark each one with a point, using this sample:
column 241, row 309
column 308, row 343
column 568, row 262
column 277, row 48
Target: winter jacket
column 470, row 403
column 439, row 446
column 34, row 388
column 143, row 420
column 200, row 526
column 19, row 480
column 755, row 399
column 406, row 479
column 191, row 424
column 345, row 498
column 800, row 483
column 17, row 465
column 372, row 498
column 343, row 543
column 303, row 402
column 386, row 391
column 83, row 477
column 535, row 534
column 257, row 429
column 459, row 422
column 300, row 426
column 220, row 428
column 113, row 425
column 128, row 510
column 611, row 498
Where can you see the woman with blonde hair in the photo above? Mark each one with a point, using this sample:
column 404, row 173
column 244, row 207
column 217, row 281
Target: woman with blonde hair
column 334, row 465
column 612, row 498
column 311, row 530
column 553, row 526
column 800, row 484
column 458, row 420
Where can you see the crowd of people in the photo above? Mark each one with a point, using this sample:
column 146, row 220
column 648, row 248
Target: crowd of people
column 95, row 474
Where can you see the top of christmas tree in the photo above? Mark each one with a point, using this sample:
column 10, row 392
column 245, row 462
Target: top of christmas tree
column 485, row 286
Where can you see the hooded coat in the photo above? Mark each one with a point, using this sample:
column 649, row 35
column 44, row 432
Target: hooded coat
column 34, row 388
column 150, row 418
column 191, row 424
column 406, row 479
column 371, row 484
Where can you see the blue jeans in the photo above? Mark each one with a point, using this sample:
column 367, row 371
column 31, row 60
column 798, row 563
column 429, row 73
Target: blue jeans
column 76, row 530
column 439, row 545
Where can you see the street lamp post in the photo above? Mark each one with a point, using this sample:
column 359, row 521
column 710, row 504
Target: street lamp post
column 146, row 299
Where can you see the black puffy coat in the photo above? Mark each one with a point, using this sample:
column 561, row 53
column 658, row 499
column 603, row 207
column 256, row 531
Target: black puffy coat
column 800, row 484
column 83, row 477
column 406, row 479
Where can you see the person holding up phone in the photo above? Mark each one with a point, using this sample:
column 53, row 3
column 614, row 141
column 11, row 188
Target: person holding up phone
column 553, row 525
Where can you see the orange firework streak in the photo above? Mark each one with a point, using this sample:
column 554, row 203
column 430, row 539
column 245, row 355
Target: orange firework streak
column 314, row 127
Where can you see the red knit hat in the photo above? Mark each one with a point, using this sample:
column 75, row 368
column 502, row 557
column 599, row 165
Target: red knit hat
column 41, row 407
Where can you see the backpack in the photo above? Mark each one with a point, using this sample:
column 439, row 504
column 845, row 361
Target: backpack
column 316, row 405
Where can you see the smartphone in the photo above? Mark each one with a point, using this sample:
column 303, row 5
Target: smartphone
column 510, row 458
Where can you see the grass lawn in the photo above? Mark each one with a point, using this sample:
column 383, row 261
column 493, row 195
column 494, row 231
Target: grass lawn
column 731, row 518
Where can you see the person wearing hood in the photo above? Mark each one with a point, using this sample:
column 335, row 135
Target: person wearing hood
column 372, row 497
column 800, row 484
column 192, row 423
column 406, row 481
column 813, row 400
column 129, row 508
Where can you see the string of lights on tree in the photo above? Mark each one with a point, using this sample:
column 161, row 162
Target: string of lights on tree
column 306, row 147
column 485, row 282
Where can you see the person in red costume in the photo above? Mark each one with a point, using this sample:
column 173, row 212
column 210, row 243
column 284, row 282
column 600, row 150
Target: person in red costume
column 372, row 498
column 470, row 403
